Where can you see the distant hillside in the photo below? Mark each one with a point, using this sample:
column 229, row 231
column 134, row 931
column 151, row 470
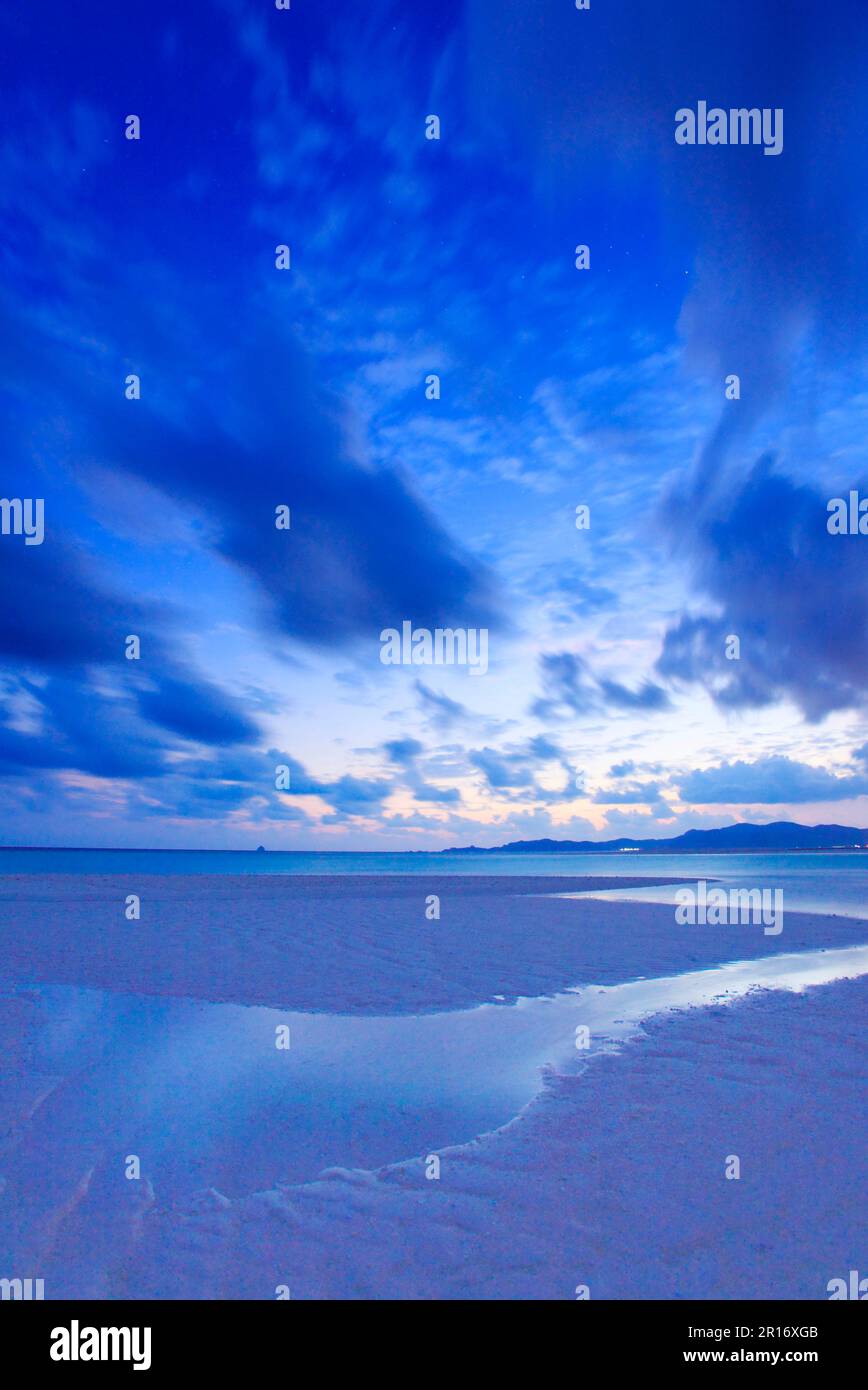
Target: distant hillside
column 781, row 834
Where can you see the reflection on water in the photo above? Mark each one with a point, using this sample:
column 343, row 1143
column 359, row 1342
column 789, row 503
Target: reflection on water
column 822, row 882
column 204, row 1097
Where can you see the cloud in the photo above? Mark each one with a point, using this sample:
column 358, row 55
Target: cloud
column 196, row 710
column 306, row 389
column 501, row 770
column 442, row 710
column 575, row 593
column 622, row 769
column 405, row 752
column 772, row 249
column 80, row 727
column 768, row 781
column 348, row 566
column 796, row 598
column 101, row 732
column 569, row 687
column 548, row 90
column 649, row 696
column 233, row 421
column 245, row 781
column 634, row 794
column 516, row 767
column 55, row 612
column 658, row 823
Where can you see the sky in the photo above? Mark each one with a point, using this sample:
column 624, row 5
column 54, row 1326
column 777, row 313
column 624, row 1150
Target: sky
column 612, row 703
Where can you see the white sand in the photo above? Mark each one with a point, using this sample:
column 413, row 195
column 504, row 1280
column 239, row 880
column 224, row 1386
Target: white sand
column 613, row 1176
column 361, row 944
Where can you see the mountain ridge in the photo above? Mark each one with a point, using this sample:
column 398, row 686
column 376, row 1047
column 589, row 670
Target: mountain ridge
column 742, row 836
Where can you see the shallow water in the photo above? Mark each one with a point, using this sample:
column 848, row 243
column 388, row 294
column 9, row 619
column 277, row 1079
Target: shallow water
column 823, row 883
column 812, row 881
column 203, row 1096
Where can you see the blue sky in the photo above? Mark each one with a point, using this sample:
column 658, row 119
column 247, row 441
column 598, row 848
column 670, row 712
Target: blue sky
column 609, row 706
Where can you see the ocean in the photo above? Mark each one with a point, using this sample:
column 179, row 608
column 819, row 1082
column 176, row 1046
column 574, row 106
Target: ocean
column 834, row 881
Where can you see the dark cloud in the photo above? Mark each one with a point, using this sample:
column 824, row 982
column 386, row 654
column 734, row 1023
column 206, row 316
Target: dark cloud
column 779, row 250
column 244, row 779
column 403, row 751
column 349, row 564
column 795, row 596
column 768, row 781
column 196, row 710
column 347, row 794
column 776, row 248
column 55, row 612
column 648, row 697
column 622, row 769
column 426, row 791
column 233, row 422
column 85, row 726
column 569, row 687
column 83, row 729
column 501, row 770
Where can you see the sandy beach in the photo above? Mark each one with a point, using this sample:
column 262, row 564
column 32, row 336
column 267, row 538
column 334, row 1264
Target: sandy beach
column 613, row 1179
column 414, row 1040
column 363, row 943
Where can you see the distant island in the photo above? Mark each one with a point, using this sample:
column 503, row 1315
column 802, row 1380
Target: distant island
column 781, row 834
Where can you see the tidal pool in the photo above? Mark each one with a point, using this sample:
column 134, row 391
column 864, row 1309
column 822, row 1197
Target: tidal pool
column 204, row 1097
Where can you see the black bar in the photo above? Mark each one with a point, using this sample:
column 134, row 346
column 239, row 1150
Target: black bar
column 276, row 1339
